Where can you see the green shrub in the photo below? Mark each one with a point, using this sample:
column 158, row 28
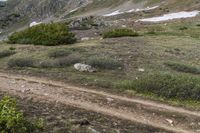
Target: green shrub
column 60, row 62
column 103, row 63
column 12, row 120
column 6, row 53
column 21, row 62
column 183, row 67
column 120, row 33
column 182, row 87
column 59, row 53
column 44, row 34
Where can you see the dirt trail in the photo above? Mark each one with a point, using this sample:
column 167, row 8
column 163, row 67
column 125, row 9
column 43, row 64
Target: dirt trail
column 146, row 112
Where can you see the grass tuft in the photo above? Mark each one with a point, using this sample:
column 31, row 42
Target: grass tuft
column 103, row 63
column 21, row 62
column 7, row 53
column 120, row 33
column 183, row 67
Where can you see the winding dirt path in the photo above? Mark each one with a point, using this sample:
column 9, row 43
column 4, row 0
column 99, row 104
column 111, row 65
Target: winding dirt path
column 174, row 119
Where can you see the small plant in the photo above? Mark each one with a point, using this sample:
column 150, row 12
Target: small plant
column 183, row 28
column 21, row 62
column 12, row 48
column 103, row 63
column 6, row 53
column 59, row 53
column 12, row 120
column 183, row 67
column 120, row 33
column 44, row 34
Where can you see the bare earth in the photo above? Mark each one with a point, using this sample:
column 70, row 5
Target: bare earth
column 145, row 112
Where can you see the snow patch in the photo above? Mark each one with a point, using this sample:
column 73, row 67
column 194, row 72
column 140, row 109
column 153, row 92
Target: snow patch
column 34, row 24
column 117, row 12
column 113, row 13
column 172, row 16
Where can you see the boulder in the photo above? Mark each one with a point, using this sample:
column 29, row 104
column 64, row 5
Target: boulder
column 84, row 68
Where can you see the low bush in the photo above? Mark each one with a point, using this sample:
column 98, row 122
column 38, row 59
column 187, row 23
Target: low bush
column 6, row 53
column 21, row 62
column 60, row 62
column 44, row 34
column 59, row 53
column 120, row 33
column 182, row 87
column 183, row 67
column 103, row 63
column 12, row 120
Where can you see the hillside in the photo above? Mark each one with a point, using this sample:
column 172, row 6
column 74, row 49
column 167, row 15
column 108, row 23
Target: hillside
column 100, row 66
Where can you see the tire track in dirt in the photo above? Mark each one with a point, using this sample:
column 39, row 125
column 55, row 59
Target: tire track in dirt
column 136, row 110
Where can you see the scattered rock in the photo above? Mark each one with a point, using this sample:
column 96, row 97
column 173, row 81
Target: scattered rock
column 170, row 122
column 84, row 68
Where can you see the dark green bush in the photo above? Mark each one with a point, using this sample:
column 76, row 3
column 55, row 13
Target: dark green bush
column 182, row 87
column 183, row 67
column 59, row 53
column 103, row 63
column 6, row 53
column 12, row 120
column 120, row 33
column 21, row 62
column 44, row 34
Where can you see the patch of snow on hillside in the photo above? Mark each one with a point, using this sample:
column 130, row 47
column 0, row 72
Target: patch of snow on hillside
column 113, row 13
column 172, row 16
column 129, row 11
column 34, row 24
column 145, row 9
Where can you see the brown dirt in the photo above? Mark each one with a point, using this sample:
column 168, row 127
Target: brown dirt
column 143, row 112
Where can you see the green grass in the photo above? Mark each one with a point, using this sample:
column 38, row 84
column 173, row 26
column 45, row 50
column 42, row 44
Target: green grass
column 13, row 121
column 169, row 86
column 120, row 33
column 44, row 34
column 180, row 67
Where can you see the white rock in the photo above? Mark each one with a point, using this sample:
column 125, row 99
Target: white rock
column 84, row 68
column 170, row 121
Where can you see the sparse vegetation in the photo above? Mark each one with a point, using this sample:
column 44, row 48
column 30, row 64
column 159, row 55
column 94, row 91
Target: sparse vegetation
column 103, row 63
column 6, row 53
column 180, row 67
column 182, row 87
column 120, row 33
column 21, row 62
column 13, row 121
column 44, row 34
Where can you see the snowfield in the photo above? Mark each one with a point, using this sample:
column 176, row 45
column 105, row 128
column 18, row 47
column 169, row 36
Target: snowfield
column 172, row 16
